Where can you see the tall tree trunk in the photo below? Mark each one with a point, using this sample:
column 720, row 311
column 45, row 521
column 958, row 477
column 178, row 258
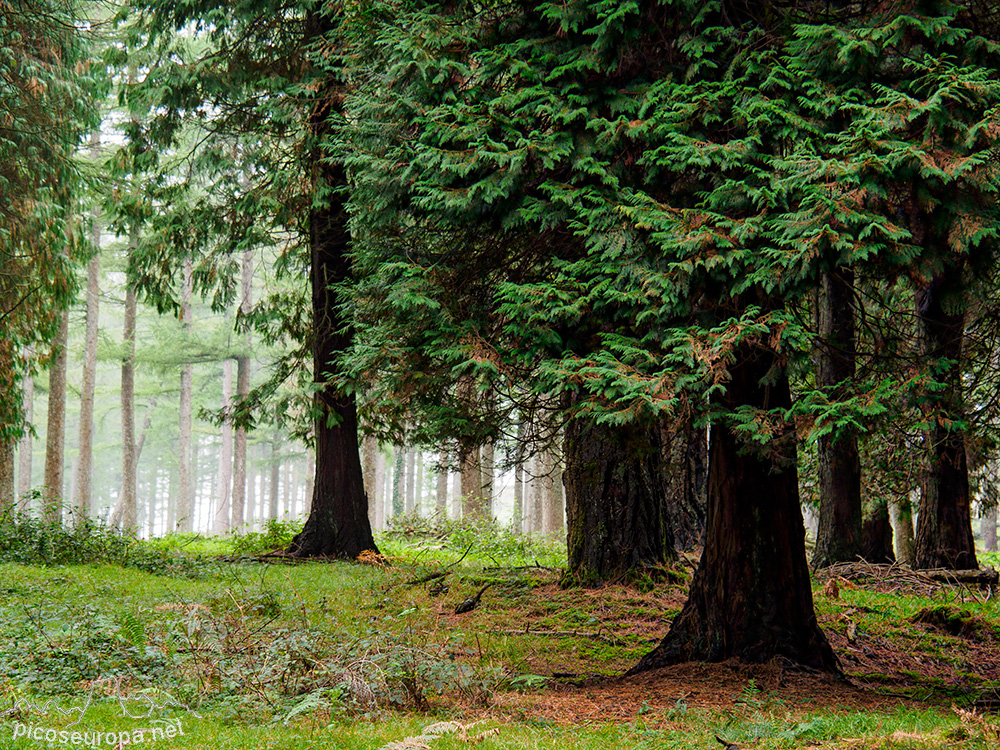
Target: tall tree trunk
column 185, row 459
column 614, row 502
column 310, row 479
column 441, row 494
column 398, row 462
column 989, row 529
column 239, row 509
column 379, row 500
column 8, row 499
column 338, row 522
column 473, row 503
column 518, row 515
column 487, row 458
column 85, row 460
column 275, row 483
column 418, row 481
column 536, row 494
column 224, row 483
column 551, row 493
column 369, row 470
column 685, row 475
column 26, row 446
column 128, row 491
column 250, row 506
column 839, row 538
column 944, row 520
column 901, row 517
column 55, row 436
column 456, row 495
column 411, row 476
column 751, row 597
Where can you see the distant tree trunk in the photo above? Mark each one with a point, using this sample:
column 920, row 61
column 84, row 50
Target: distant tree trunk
column 839, row 537
column 8, row 500
column 275, row 483
column 473, row 503
column 441, row 494
column 26, row 447
column 55, row 436
column 411, row 462
column 310, row 479
column 398, row 462
column 456, row 495
column 989, row 529
column 901, row 516
column 419, row 482
column 289, row 502
column 379, row 500
column 876, row 533
column 369, row 470
column 486, row 464
column 518, row 515
column 751, row 597
column 536, row 493
column 224, row 483
column 185, row 458
column 944, row 521
column 685, row 475
column 614, row 502
column 239, row 510
column 552, row 494
column 250, row 504
column 85, row 459
column 128, row 492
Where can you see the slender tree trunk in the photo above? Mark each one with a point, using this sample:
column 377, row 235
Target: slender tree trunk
column 224, row 483
column 989, row 529
column 251, row 497
column 185, row 458
column 487, row 456
column 85, row 461
column 944, row 521
column 751, row 597
column 275, row 483
column 839, row 537
column 239, row 510
column 26, row 447
column 128, row 492
column 418, row 498
column 411, row 475
column 518, row 515
column 441, row 494
column 456, row 495
column 289, row 497
column 379, row 499
column 8, row 500
column 614, row 501
column 398, row 461
column 369, row 470
column 553, row 511
column 55, row 436
column 901, row 517
column 536, row 492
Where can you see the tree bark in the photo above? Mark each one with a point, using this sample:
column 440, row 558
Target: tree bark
column 487, row 458
column 441, row 496
column 418, row 498
column 944, row 520
column 552, row 494
column 876, row 533
column 379, row 499
column 989, row 529
column 411, row 475
column 239, row 502
column 398, row 461
column 8, row 499
column 901, row 517
column 473, row 504
column 85, row 460
column 224, row 483
column 369, row 470
column 839, row 537
column 535, row 494
column 128, row 492
column 684, row 475
column 274, row 485
column 615, row 508
column 55, row 436
column 751, row 597
column 184, row 522
column 26, row 446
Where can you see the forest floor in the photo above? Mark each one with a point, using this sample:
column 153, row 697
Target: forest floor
column 246, row 654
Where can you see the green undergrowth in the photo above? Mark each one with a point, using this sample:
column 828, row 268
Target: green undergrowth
column 303, row 655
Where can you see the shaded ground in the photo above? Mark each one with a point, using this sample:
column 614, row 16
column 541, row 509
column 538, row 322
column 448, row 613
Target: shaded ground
column 581, row 639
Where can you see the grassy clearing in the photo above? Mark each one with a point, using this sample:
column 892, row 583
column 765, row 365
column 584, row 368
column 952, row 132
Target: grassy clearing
column 251, row 655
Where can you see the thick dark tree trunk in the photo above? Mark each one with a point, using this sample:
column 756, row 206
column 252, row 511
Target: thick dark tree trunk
column 839, row 537
column 685, row 475
column 944, row 520
column 876, row 533
column 615, row 507
column 338, row 519
column 750, row 598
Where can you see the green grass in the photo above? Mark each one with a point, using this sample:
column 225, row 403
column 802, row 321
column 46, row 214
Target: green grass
column 318, row 655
